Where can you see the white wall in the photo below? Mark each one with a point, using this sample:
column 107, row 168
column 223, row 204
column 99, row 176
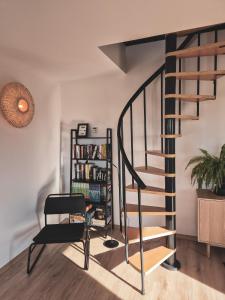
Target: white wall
column 29, row 161
column 99, row 101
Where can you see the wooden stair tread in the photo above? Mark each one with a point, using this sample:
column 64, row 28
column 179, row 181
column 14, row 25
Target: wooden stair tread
column 152, row 258
column 205, row 50
column 150, row 190
column 190, row 98
column 148, row 233
column 154, row 171
column 159, row 153
column 201, row 75
column 170, row 136
column 181, row 117
column 132, row 210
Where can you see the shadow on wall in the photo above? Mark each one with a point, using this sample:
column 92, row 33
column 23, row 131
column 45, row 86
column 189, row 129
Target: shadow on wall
column 20, row 238
column 65, row 153
column 42, row 195
column 23, row 236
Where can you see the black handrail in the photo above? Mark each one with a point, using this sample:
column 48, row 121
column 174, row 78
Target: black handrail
column 125, row 159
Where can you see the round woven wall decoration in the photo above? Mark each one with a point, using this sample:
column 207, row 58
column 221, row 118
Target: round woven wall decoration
column 17, row 104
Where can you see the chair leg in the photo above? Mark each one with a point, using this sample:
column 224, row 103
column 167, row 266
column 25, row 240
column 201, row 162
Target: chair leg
column 86, row 254
column 30, row 250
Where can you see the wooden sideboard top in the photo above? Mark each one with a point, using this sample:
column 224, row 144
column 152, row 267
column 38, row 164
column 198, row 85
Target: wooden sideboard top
column 208, row 194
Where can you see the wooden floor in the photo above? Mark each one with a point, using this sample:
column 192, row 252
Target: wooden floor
column 58, row 275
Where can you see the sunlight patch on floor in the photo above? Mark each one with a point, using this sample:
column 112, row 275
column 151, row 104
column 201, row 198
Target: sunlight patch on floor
column 108, row 267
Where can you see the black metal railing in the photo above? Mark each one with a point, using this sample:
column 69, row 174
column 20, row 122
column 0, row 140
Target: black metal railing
column 129, row 108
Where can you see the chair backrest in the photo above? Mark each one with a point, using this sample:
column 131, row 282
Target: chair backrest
column 65, row 204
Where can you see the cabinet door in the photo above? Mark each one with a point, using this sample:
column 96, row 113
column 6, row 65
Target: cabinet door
column 217, row 222
column 203, row 220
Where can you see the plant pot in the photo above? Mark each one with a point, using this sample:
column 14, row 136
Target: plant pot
column 220, row 191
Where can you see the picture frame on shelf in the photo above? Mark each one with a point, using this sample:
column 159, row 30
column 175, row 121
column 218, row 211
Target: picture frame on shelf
column 82, row 130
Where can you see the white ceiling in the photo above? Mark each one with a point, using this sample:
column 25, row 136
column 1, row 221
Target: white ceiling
column 61, row 37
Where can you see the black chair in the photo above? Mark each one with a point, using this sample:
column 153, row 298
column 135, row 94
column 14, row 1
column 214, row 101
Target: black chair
column 62, row 233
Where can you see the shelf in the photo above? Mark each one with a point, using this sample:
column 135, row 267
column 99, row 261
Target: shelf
column 88, row 181
column 87, row 153
column 201, row 75
column 102, row 203
column 91, row 159
column 205, row 50
column 152, row 258
column 91, row 138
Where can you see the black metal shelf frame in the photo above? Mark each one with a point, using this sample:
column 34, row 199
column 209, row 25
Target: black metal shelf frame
column 109, row 170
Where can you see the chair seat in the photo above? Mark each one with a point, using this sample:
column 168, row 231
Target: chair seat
column 60, row 233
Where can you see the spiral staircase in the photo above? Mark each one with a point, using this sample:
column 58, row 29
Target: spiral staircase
column 171, row 77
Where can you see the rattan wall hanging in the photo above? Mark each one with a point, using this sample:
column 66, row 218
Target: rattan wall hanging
column 16, row 104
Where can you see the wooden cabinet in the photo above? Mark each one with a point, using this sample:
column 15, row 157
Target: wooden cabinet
column 211, row 219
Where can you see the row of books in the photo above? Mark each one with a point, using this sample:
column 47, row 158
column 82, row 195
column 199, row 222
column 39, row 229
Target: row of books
column 92, row 192
column 90, row 151
column 89, row 172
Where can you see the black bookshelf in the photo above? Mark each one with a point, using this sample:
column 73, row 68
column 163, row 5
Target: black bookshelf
column 80, row 156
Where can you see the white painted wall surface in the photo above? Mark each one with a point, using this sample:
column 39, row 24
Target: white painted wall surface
column 29, row 161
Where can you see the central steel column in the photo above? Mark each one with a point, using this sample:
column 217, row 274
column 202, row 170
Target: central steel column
column 170, row 143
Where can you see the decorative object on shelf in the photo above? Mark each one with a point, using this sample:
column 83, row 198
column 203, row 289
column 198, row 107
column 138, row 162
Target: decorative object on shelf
column 91, row 174
column 209, row 170
column 17, row 104
column 82, row 129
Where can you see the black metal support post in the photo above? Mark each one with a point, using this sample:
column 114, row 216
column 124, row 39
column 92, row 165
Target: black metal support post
column 120, row 191
column 198, row 69
column 162, row 110
column 124, row 202
column 145, row 129
column 132, row 140
column 141, row 242
column 180, row 88
column 170, row 128
column 71, row 157
column 215, row 63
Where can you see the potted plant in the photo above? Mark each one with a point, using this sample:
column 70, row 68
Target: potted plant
column 209, row 170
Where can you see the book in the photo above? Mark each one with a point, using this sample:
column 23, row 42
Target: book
column 95, row 192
